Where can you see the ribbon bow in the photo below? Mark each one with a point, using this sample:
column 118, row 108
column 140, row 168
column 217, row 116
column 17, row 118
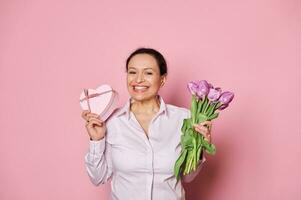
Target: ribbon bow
column 87, row 97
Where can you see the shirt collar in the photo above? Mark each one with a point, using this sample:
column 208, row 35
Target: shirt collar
column 126, row 108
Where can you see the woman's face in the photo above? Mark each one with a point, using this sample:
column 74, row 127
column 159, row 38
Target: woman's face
column 143, row 77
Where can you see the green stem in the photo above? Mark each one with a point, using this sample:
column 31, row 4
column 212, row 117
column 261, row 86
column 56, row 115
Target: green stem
column 207, row 106
column 194, row 153
column 204, row 105
column 200, row 105
column 193, row 109
column 186, row 164
column 190, row 162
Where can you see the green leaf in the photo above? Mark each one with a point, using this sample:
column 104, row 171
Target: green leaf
column 179, row 163
column 194, row 153
column 200, row 145
column 194, row 108
column 214, row 108
column 186, row 141
column 213, row 116
column 199, row 149
column 210, row 109
column 210, row 148
column 184, row 126
column 199, row 141
column 188, row 162
column 200, row 105
column 204, row 107
column 202, row 118
column 189, row 125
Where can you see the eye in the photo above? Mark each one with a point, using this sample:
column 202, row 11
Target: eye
column 132, row 72
column 149, row 73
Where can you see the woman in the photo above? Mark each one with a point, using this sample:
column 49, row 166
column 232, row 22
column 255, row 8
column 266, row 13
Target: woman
column 138, row 146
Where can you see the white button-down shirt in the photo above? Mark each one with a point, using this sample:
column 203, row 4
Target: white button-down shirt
column 140, row 167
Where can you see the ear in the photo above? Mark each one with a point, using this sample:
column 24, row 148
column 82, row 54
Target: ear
column 163, row 80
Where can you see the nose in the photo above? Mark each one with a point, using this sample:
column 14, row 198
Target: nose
column 139, row 78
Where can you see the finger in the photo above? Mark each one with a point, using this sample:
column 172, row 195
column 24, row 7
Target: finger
column 202, row 126
column 206, row 122
column 94, row 118
column 93, row 115
column 205, row 133
column 92, row 124
column 202, row 131
column 98, row 121
column 209, row 123
column 84, row 114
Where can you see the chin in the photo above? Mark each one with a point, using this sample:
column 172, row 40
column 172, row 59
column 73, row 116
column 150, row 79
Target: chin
column 141, row 97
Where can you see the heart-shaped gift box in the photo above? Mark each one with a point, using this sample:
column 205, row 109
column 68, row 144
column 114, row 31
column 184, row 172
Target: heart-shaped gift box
column 101, row 101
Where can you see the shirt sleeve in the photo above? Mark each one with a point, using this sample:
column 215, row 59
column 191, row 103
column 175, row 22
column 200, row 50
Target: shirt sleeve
column 98, row 161
column 189, row 177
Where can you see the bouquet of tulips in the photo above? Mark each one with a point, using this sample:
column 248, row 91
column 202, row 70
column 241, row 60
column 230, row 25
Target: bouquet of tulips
column 205, row 104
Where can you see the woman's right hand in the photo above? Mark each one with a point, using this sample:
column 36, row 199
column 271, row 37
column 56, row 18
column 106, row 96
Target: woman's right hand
column 96, row 128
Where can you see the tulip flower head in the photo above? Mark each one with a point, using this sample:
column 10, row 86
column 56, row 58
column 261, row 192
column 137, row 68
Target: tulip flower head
column 203, row 89
column 214, row 94
column 225, row 99
column 193, row 87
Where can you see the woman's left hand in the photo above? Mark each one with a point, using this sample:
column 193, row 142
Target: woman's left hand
column 204, row 128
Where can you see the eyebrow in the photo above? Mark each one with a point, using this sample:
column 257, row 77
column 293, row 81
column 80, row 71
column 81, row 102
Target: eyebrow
column 143, row 68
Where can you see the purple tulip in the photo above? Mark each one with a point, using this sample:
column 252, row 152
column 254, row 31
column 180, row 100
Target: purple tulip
column 193, row 87
column 226, row 97
column 222, row 107
column 203, row 88
column 214, row 94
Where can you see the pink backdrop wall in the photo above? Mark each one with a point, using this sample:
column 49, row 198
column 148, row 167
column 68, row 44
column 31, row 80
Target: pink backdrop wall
column 51, row 50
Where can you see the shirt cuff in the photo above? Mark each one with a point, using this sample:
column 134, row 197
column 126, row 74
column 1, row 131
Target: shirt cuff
column 97, row 147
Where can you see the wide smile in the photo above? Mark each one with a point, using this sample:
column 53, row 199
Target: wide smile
column 140, row 89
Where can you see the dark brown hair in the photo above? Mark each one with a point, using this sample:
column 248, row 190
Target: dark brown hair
column 156, row 54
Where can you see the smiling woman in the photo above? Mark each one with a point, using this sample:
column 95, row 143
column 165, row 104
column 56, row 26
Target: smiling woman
column 139, row 145
column 144, row 80
column 146, row 73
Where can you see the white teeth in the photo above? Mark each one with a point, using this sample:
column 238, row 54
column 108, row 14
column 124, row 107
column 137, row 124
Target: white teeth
column 140, row 87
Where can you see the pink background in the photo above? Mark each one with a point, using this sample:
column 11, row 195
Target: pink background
column 51, row 50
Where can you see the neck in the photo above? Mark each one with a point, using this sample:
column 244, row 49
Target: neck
column 148, row 106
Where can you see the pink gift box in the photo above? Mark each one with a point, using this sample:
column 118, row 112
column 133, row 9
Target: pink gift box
column 101, row 101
